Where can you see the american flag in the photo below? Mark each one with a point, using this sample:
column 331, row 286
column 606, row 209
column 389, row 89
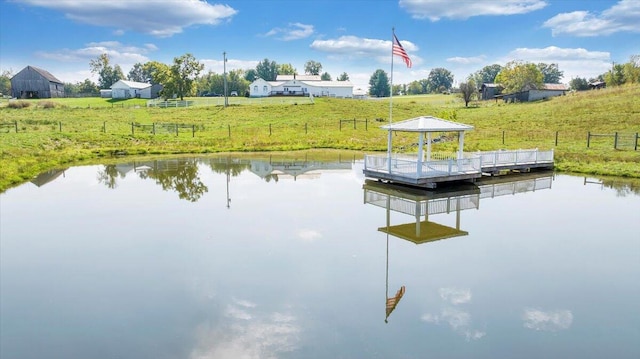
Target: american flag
column 399, row 50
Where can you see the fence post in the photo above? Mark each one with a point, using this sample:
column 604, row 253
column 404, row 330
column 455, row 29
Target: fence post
column 635, row 145
column 615, row 141
column 15, row 123
column 503, row 137
column 60, row 126
column 556, row 138
column 176, row 129
column 269, row 129
column 193, row 130
column 340, row 125
column 229, row 129
column 588, row 138
column 354, row 123
column 132, row 131
column 305, row 128
column 104, row 127
column 366, row 124
column 153, row 128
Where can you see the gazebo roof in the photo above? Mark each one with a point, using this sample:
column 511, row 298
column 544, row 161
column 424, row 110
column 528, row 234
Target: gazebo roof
column 427, row 124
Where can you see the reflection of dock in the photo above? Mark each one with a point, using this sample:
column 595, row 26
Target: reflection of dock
column 420, row 203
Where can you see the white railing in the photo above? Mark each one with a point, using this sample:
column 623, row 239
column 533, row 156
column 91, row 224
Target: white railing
column 515, row 157
column 409, row 167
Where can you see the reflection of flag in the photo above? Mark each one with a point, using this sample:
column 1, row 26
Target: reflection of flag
column 393, row 301
column 399, row 50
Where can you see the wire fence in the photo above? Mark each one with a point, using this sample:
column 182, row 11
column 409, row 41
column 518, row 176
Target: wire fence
column 534, row 138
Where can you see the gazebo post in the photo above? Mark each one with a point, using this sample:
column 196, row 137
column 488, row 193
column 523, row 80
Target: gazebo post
column 428, row 146
column 420, row 153
column 389, row 151
column 460, row 144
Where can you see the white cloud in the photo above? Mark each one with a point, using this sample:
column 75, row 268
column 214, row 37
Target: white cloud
column 162, row 18
column 349, row 46
column 467, row 60
column 309, row 235
column 248, row 333
column 119, row 54
column 294, row 31
column 574, row 62
column 434, row 10
column 621, row 17
column 457, row 319
column 547, row 321
column 455, row 295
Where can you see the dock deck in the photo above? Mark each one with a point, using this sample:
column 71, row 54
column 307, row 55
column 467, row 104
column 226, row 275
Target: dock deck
column 412, row 170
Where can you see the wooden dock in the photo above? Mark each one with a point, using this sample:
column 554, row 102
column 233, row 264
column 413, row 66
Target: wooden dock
column 414, row 171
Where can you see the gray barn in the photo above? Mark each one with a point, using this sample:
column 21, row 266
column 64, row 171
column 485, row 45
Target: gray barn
column 33, row 82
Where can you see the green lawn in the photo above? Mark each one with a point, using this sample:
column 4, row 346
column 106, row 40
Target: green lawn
column 83, row 130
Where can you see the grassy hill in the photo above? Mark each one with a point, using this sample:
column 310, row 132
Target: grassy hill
column 59, row 132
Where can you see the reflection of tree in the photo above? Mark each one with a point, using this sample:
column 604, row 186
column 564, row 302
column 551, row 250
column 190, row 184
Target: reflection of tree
column 179, row 175
column 623, row 187
column 228, row 166
column 108, row 176
column 271, row 176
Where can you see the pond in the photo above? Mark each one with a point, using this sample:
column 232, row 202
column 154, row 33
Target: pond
column 299, row 256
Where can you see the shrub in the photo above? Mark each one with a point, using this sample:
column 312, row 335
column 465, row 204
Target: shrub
column 47, row 104
column 18, row 104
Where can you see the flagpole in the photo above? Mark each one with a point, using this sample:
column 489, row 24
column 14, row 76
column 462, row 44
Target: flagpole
column 390, row 105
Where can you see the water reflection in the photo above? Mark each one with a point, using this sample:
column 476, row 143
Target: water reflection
column 182, row 175
column 421, row 204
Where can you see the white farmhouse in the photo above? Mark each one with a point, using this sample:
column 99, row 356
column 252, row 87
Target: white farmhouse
column 129, row 89
column 300, row 85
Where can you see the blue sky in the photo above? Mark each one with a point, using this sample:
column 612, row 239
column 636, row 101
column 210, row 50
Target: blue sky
column 583, row 37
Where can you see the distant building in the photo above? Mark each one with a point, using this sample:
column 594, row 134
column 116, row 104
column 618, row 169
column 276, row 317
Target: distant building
column 488, row 91
column 300, row 85
column 597, row 85
column 123, row 89
column 34, row 82
column 547, row 91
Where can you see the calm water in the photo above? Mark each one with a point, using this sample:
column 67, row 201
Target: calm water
column 272, row 258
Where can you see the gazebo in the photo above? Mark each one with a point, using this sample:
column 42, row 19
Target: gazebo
column 421, row 170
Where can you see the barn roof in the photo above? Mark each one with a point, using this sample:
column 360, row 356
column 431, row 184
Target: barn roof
column 556, row 87
column 44, row 73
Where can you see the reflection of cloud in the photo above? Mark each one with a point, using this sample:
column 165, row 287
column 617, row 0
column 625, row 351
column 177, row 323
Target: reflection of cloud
column 455, row 295
column 457, row 319
column 309, row 235
column 547, row 321
column 248, row 334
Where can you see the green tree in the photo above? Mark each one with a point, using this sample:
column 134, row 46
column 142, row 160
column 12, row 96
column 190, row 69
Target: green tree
column 487, row 74
column 343, row 77
column 379, row 84
column 137, row 73
column 182, row 76
column 631, row 70
column 520, row 76
column 440, row 79
column 414, row 88
column 251, row 75
column 579, row 84
column 267, row 70
column 468, row 90
column 312, row 67
column 615, row 76
column 325, row 77
column 286, row 69
column 156, row 72
column 551, row 73
column 107, row 74
column 5, row 82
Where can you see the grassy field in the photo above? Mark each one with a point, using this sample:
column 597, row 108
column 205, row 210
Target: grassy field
column 62, row 132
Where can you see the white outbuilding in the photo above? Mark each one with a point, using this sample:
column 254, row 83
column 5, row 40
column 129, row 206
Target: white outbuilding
column 132, row 89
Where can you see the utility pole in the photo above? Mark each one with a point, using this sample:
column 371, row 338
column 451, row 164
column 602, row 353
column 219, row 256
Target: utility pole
column 224, row 64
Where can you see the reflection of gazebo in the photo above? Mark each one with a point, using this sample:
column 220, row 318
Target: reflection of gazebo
column 46, row 177
column 421, row 203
